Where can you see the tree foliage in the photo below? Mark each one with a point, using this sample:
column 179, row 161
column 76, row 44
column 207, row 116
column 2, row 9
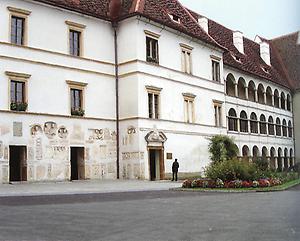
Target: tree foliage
column 222, row 148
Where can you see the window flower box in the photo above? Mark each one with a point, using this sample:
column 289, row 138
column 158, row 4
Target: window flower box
column 18, row 106
column 77, row 112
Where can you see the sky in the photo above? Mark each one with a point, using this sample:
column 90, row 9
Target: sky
column 266, row 18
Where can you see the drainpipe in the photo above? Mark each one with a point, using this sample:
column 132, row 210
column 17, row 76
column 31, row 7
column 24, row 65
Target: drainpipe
column 115, row 28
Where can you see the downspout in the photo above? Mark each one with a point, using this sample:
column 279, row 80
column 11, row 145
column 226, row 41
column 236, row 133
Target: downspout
column 115, row 28
column 114, row 12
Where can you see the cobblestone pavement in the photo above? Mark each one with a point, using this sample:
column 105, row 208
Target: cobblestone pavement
column 152, row 216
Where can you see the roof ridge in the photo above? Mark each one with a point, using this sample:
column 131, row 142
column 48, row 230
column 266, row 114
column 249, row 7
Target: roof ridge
column 285, row 35
column 194, row 20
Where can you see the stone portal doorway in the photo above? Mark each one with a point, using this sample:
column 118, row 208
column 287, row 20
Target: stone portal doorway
column 155, row 144
column 156, row 164
column 17, row 163
column 77, row 163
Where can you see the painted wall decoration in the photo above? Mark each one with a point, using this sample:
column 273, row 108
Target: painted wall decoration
column 36, row 129
column 50, row 129
column 63, row 132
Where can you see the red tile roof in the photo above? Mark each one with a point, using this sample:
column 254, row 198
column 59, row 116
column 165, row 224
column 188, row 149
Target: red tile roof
column 219, row 36
column 288, row 48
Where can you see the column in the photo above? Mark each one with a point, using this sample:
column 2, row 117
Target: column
column 273, row 101
column 256, row 96
column 279, row 102
column 247, row 93
column 276, row 163
column 236, row 90
column 269, row 161
column 265, row 98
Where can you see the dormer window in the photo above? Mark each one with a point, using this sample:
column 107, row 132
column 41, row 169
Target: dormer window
column 175, row 18
column 265, row 70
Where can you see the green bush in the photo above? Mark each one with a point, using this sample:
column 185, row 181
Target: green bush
column 222, row 148
column 232, row 170
column 261, row 163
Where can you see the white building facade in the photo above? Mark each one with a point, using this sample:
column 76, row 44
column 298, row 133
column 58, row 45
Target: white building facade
column 69, row 109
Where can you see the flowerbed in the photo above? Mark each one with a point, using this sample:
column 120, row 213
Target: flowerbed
column 209, row 183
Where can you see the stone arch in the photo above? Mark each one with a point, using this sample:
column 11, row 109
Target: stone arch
column 271, row 129
column 260, row 94
column 269, row 96
column 276, row 98
column 282, row 101
column 253, row 123
column 242, row 88
column 244, row 122
column 278, row 127
column 251, row 91
column 263, row 124
column 230, row 85
column 232, row 120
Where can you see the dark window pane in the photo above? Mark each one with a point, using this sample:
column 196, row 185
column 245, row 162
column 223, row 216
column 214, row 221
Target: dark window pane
column 17, row 30
column 74, row 43
column 150, row 104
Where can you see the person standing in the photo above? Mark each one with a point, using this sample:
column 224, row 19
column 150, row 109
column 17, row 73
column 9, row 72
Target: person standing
column 175, row 167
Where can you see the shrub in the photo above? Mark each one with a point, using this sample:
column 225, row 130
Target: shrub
column 222, row 148
column 231, row 170
column 238, row 183
column 261, row 163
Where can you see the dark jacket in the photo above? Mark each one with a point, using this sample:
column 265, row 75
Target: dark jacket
column 175, row 166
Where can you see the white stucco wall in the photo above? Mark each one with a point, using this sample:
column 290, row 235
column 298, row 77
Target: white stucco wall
column 296, row 101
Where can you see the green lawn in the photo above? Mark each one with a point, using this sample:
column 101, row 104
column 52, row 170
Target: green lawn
column 282, row 187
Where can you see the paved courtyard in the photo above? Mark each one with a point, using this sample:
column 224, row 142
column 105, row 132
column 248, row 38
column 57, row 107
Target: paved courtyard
column 152, row 216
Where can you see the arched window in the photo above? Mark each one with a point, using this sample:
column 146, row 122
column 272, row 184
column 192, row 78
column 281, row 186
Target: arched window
column 246, row 153
column 290, row 129
column 230, row 85
column 288, row 102
column 284, row 128
column 255, row 152
column 243, row 122
column 263, row 125
column 272, row 158
column 271, row 126
column 264, row 152
column 291, row 157
column 253, row 123
column 232, row 120
column 242, row 88
column 286, row 159
column 279, row 159
column 260, row 94
column 251, row 91
column 282, row 101
column 278, row 127
column 269, row 96
column 276, row 98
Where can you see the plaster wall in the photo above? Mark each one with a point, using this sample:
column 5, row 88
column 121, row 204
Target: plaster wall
column 47, row 30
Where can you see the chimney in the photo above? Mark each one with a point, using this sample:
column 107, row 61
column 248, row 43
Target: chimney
column 203, row 22
column 238, row 41
column 114, row 9
column 265, row 52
